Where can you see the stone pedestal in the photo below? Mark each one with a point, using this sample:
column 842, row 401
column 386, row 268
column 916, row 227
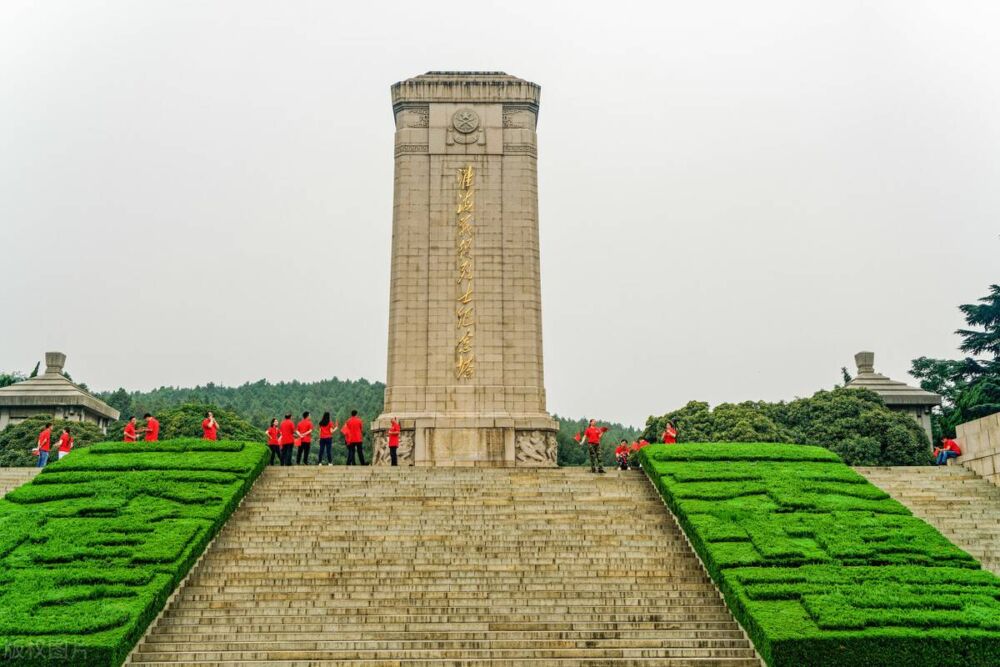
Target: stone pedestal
column 465, row 373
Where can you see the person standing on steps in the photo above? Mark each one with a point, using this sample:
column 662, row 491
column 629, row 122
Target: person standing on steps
column 152, row 431
column 274, row 442
column 65, row 443
column 353, row 436
column 326, row 430
column 129, row 430
column 305, row 429
column 287, row 434
column 44, row 442
column 670, row 434
column 394, row 440
column 593, row 437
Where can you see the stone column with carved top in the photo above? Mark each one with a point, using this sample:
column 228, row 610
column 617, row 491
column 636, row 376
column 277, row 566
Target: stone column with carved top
column 465, row 363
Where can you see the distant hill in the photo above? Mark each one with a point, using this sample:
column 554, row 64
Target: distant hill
column 260, row 401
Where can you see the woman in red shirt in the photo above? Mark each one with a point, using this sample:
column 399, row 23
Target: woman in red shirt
column 65, row 443
column 272, row 442
column 393, row 440
column 326, row 429
column 670, row 434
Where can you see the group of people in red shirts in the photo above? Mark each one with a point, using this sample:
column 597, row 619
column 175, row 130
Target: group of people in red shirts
column 592, row 437
column 288, row 436
column 44, row 444
column 150, row 431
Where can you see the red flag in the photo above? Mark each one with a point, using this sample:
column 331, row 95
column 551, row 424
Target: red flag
column 577, row 436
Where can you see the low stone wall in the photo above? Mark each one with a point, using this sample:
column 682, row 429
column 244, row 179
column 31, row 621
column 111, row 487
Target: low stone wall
column 980, row 443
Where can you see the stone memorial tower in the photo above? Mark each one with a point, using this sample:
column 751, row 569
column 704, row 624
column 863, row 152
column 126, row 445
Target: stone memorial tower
column 465, row 315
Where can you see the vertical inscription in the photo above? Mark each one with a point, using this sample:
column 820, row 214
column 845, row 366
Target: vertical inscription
column 465, row 308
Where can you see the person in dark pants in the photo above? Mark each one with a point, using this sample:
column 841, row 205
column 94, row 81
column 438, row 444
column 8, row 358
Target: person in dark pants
column 393, row 440
column 305, row 429
column 593, row 435
column 353, row 436
column 273, row 441
column 287, row 434
column 326, row 429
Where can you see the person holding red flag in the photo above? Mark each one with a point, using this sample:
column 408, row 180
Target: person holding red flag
column 129, row 430
column 670, row 434
column 621, row 455
column 394, row 431
column 65, row 443
column 593, row 435
column 44, row 443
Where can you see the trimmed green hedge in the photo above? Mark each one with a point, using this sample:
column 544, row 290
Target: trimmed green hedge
column 91, row 549
column 820, row 566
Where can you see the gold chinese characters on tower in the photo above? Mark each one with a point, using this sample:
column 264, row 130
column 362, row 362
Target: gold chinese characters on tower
column 465, row 322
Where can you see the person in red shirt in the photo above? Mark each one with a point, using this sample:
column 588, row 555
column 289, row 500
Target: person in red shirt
column 273, row 435
column 287, row 437
column 394, row 440
column 65, row 443
column 593, row 435
column 305, row 429
column 949, row 449
column 670, row 434
column 643, row 442
column 326, row 429
column 209, row 427
column 129, row 430
column 152, row 428
column 621, row 455
column 353, row 436
column 44, row 443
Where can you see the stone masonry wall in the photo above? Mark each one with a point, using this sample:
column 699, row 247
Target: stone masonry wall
column 980, row 443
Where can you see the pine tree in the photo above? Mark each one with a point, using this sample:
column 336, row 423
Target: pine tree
column 970, row 387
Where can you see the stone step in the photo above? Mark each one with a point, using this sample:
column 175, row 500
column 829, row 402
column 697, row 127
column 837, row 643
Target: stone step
column 961, row 505
column 460, row 567
column 193, row 654
column 485, row 662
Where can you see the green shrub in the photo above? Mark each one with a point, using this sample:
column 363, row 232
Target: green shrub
column 820, row 566
column 93, row 546
column 16, row 442
column 854, row 423
column 184, row 421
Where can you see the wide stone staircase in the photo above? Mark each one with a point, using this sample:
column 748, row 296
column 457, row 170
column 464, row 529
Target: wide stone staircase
column 11, row 478
column 963, row 506
column 417, row 566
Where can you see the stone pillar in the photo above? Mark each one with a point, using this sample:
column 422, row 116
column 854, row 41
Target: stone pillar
column 465, row 368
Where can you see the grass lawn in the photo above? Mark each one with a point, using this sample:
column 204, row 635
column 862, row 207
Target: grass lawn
column 820, row 566
column 93, row 546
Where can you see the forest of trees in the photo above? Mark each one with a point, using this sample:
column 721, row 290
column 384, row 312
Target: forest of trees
column 257, row 402
column 969, row 387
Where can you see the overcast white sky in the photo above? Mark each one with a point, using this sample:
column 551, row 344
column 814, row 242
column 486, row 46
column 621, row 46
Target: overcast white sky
column 202, row 191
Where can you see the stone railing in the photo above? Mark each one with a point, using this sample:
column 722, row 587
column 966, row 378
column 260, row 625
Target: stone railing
column 980, row 443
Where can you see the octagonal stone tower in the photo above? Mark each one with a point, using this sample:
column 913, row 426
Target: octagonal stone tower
column 465, row 315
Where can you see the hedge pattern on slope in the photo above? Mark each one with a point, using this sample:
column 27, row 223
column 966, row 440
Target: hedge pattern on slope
column 820, row 566
column 93, row 546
